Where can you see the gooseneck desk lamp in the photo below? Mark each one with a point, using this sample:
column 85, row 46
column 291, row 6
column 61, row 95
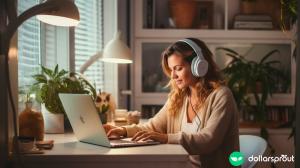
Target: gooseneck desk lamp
column 55, row 12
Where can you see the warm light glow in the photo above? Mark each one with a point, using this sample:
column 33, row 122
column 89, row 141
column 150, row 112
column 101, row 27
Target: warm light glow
column 58, row 20
column 117, row 60
column 13, row 52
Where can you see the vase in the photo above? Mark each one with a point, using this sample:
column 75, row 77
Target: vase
column 31, row 123
column 183, row 13
column 54, row 123
column 248, row 7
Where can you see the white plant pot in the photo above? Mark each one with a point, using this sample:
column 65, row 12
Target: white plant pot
column 54, row 123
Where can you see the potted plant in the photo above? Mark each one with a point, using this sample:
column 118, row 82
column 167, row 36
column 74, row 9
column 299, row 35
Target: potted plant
column 50, row 84
column 106, row 106
column 102, row 110
column 244, row 76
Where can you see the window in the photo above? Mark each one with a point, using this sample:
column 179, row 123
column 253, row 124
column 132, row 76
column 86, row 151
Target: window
column 89, row 39
column 47, row 45
column 28, row 45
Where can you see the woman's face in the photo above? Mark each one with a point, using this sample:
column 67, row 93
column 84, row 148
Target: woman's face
column 180, row 71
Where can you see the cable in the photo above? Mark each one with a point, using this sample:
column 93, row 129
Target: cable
column 190, row 101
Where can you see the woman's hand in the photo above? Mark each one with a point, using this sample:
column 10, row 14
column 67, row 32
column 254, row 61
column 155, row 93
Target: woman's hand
column 146, row 135
column 108, row 127
column 115, row 132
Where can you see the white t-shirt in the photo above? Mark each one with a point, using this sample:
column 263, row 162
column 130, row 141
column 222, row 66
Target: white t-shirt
column 191, row 128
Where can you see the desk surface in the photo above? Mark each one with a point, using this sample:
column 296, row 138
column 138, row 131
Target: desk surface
column 68, row 152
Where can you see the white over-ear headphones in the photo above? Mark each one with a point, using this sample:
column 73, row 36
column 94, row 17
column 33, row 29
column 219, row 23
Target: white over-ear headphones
column 199, row 65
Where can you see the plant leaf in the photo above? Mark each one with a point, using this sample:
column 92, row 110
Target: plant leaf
column 268, row 55
column 228, row 50
column 56, row 69
column 40, row 78
column 47, row 71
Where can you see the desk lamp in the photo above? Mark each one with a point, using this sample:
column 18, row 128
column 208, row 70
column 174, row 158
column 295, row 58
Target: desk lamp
column 55, row 12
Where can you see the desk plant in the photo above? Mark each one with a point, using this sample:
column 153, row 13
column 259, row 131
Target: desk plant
column 51, row 82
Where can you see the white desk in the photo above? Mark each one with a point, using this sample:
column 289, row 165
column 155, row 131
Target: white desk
column 68, row 152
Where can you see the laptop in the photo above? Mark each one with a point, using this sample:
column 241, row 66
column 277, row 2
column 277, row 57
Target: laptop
column 86, row 124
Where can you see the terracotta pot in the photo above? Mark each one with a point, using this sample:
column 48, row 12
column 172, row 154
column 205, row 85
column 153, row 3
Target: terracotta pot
column 248, row 7
column 31, row 123
column 183, row 12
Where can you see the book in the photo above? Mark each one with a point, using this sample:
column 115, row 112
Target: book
column 256, row 17
column 149, row 15
column 253, row 25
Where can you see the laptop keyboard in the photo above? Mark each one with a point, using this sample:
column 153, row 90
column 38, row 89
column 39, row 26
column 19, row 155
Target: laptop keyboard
column 121, row 143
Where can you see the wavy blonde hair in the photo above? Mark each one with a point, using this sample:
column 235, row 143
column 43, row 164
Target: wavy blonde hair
column 204, row 85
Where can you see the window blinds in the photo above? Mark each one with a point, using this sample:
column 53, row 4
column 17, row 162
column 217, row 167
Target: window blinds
column 28, row 45
column 89, row 39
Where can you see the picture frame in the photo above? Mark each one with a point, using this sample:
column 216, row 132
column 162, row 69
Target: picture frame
column 205, row 15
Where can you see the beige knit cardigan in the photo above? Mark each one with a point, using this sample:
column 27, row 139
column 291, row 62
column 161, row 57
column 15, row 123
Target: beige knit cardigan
column 217, row 137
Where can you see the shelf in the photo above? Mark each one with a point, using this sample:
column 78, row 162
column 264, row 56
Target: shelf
column 256, row 131
column 151, row 15
column 269, row 124
column 279, row 99
column 148, row 43
column 215, row 34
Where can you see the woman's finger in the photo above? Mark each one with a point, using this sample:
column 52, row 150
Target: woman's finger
column 138, row 134
column 113, row 132
column 109, row 133
column 147, row 138
column 145, row 134
column 106, row 127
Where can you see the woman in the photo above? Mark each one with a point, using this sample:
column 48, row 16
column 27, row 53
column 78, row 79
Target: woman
column 200, row 113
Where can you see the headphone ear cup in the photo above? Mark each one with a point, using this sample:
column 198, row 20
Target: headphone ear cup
column 199, row 67
column 194, row 67
column 202, row 68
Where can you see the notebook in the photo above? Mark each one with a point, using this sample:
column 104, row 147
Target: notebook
column 82, row 114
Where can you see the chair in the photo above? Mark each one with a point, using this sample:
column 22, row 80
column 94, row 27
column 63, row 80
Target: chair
column 251, row 145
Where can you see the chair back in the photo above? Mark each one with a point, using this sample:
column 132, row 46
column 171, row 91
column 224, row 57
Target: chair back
column 251, row 145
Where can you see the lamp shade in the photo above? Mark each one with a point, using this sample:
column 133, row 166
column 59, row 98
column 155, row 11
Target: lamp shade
column 116, row 51
column 65, row 13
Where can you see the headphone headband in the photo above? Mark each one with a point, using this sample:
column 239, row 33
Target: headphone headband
column 199, row 66
column 194, row 46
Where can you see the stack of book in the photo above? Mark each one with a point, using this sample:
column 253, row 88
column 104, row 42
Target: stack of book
column 262, row 22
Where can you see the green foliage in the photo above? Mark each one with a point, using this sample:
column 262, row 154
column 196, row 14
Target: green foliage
column 288, row 14
column 244, row 76
column 288, row 11
column 103, row 109
column 52, row 82
column 25, row 93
